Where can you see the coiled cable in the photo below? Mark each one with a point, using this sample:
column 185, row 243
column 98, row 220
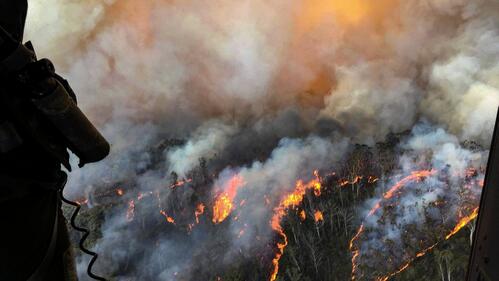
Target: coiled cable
column 85, row 233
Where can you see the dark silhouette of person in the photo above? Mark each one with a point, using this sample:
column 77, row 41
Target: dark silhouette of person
column 39, row 122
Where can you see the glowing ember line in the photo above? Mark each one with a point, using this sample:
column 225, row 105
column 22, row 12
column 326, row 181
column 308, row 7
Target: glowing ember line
column 357, row 179
column 414, row 176
column 167, row 217
column 288, row 202
column 462, row 223
column 180, row 183
column 355, row 252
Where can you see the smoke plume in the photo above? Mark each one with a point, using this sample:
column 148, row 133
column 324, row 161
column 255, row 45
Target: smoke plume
column 193, row 93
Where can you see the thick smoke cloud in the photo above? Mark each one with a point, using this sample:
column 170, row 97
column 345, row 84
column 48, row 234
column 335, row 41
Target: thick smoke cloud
column 430, row 58
column 267, row 89
column 251, row 58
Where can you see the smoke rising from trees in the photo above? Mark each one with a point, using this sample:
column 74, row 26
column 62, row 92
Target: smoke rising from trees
column 271, row 90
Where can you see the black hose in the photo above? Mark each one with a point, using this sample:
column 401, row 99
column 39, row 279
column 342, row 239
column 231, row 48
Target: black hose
column 84, row 237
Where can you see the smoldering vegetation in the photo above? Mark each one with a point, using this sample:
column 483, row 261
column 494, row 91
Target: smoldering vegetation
column 241, row 248
column 435, row 194
column 236, row 102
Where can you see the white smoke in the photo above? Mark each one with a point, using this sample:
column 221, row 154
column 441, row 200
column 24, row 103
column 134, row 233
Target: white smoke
column 171, row 83
column 206, row 142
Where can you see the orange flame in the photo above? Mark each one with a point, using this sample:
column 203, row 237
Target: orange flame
column 167, row 217
column 303, row 215
column 224, row 203
column 317, row 185
column 222, row 208
column 318, row 216
column 199, row 211
column 462, row 223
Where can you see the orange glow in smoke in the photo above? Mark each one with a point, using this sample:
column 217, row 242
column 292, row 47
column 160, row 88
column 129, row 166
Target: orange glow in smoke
column 316, row 12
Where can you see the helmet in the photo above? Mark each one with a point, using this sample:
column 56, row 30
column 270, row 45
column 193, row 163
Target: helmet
column 13, row 17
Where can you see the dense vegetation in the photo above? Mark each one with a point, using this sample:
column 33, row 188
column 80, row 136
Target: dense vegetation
column 318, row 249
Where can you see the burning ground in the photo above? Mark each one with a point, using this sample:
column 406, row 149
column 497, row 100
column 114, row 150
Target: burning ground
column 419, row 210
column 262, row 140
column 309, row 228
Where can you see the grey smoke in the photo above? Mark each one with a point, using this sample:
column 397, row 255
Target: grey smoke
column 424, row 212
column 243, row 84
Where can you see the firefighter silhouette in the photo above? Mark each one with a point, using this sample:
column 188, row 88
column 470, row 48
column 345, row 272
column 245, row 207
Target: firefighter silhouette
column 39, row 122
